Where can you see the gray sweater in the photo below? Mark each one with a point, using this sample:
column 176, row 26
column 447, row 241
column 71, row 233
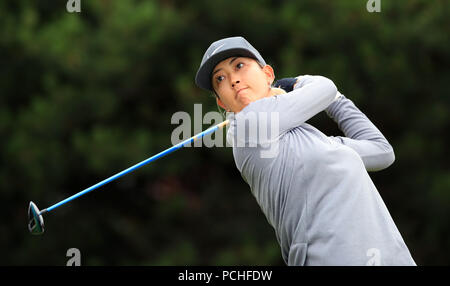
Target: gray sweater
column 315, row 190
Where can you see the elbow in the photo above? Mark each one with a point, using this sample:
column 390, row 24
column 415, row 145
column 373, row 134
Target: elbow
column 330, row 88
column 383, row 160
column 390, row 157
column 380, row 161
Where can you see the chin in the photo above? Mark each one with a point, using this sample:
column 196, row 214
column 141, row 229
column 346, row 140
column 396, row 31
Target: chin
column 245, row 100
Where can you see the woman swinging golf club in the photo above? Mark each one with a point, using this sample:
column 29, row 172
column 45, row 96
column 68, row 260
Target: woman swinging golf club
column 315, row 191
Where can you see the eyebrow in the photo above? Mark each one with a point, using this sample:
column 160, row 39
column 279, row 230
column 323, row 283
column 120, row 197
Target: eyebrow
column 228, row 63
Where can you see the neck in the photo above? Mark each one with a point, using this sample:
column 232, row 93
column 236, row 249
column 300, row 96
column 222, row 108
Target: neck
column 276, row 91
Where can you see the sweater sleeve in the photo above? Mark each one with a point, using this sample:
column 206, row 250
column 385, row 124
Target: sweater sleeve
column 360, row 134
column 311, row 95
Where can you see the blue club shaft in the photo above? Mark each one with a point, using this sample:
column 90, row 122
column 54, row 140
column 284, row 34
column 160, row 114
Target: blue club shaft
column 138, row 165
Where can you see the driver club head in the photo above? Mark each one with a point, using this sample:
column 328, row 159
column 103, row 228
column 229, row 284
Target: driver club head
column 35, row 220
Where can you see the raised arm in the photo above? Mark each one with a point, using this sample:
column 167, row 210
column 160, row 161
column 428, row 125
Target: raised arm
column 361, row 134
column 311, row 95
column 269, row 118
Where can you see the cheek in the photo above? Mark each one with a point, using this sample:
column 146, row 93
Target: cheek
column 225, row 95
column 260, row 85
column 258, row 80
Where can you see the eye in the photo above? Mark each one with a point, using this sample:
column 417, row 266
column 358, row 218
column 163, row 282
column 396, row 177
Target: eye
column 219, row 78
column 239, row 65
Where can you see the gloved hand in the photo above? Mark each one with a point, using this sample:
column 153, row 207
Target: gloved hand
column 286, row 83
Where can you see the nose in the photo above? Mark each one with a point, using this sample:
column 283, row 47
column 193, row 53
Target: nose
column 234, row 83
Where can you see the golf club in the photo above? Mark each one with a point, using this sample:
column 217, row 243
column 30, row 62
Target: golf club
column 35, row 219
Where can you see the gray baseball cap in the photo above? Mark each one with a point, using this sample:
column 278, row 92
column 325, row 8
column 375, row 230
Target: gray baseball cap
column 219, row 51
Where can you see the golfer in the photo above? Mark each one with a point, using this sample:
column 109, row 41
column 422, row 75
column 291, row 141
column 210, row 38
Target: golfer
column 314, row 189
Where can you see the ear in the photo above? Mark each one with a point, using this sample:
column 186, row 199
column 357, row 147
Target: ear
column 270, row 74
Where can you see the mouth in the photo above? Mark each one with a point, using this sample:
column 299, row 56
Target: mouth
column 239, row 91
